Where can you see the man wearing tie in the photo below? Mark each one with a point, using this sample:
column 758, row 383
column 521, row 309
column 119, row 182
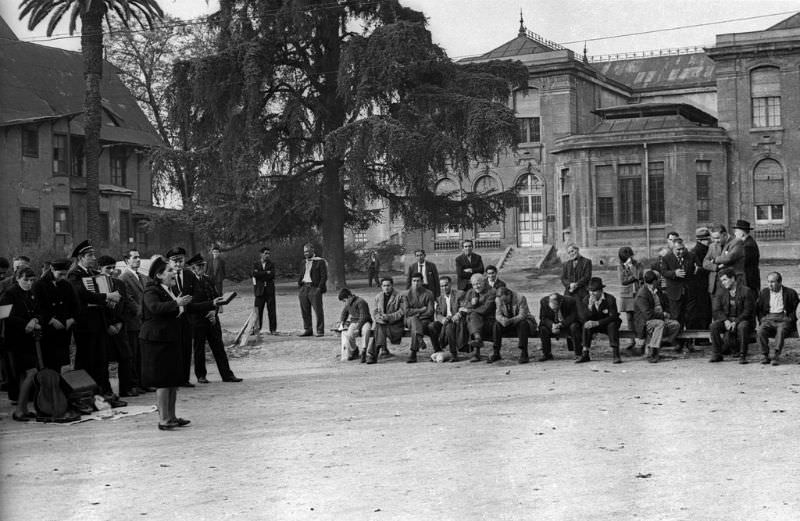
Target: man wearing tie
column 679, row 268
column 263, row 276
column 450, row 323
column 576, row 273
column 135, row 283
column 467, row 265
column 312, row 284
column 184, row 282
column 430, row 275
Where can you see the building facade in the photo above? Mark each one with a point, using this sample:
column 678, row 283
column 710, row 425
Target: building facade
column 620, row 149
column 42, row 167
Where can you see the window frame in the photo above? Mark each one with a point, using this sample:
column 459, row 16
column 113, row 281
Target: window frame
column 38, row 227
column 67, row 224
column 59, row 161
column 29, row 149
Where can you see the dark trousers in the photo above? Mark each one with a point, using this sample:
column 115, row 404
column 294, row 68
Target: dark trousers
column 610, row 329
column 211, row 333
column 773, row 326
column 91, row 355
column 698, row 308
column 136, row 358
column 479, row 326
column 372, row 274
column 419, row 327
column 268, row 298
column 678, row 309
column 10, row 376
column 736, row 340
column 521, row 330
column 451, row 334
column 120, row 349
column 311, row 297
column 187, row 333
column 574, row 333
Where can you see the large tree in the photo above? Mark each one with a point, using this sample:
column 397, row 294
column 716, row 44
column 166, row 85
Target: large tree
column 310, row 108
column 92, row 15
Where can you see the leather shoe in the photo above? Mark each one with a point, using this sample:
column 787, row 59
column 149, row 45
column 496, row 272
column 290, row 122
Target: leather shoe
column 715, row 358
column 232, row 378
column 583, row 359
column 371, row 361
column 544, row 358
column 412, row 358
column 20, row 418
column 116, row 402
column 167, row 426
column 202, row 380
column 306, row 333
column 180, row 422
column 187, row 384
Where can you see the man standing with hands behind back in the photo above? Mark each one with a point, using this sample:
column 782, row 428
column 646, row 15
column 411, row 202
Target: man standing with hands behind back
column 467, row 265
column 313, row 277
column 263, row 276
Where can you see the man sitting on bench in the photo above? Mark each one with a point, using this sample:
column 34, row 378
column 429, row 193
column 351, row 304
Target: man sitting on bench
column 776, row 309
column 600, row 315
column 733, row 310
column 558, row 314
column 479, row 306
column 419, row 317
column 512, row 316
column 388, row 313
column 652, row 319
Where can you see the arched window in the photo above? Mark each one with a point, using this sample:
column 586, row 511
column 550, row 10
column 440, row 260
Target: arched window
column 446, row 186
column 483, row 185
column 528, row 113
column 768, row 191
column 765, row 96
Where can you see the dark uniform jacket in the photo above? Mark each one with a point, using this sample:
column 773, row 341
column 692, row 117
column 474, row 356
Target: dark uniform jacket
column 24, row 308
column 90, row 305
column 745, row 301
column 432, row 274
column 55, row 300
column 475, row 262
column 204, row 291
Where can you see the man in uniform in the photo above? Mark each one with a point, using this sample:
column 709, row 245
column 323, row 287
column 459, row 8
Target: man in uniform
column 185, row 282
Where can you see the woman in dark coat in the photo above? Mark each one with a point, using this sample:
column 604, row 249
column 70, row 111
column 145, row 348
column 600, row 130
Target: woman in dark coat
column 20, row 327
column 58, row 307
column 160, row 341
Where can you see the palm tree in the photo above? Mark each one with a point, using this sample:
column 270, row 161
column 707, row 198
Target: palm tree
column 91, row 14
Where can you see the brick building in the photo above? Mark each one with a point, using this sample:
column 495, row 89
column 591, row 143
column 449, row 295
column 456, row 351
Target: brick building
column 620, row 149
column 43, row 202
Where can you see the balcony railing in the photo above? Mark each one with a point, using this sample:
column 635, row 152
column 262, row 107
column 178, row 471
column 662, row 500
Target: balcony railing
column 644, row 54
column 770, row 234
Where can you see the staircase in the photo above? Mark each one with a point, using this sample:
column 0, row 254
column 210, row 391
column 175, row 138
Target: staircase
column 519, row 259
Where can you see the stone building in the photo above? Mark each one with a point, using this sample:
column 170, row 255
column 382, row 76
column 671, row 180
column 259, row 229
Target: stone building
column 42, row 170
column 620, row 149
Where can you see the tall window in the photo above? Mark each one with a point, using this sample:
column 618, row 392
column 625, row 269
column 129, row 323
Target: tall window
column 605, row 211
column 124, row 226
column 60, row 219
column 656, row 191
column 77, row 153
column 30, row 141
column 30, row 229
column 60, row 154
column 703, row 180
column 630, row 194
column 566, row 213
column 765, row 96
column 104, row 229
column 606, row 191
column 528, row 113
column 768, row 185
column 119, row 160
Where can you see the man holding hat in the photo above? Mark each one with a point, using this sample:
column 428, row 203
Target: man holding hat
column 752, row 276
column 58, row 307
column 206, row 326
column 91, row 340
column 600, row 315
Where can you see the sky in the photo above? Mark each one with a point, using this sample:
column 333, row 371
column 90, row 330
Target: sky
column 471, row 27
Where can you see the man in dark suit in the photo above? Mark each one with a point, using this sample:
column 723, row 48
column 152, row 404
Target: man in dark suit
column 698, row 305
column 732, row 255
column 512, row 315
column 215, row 269
column 652, row 319
column 680, row 266
column 206, row 327
column 491, row 278
column 430, row 275
column 718, row 237
column 559, row 314
column 733, row 311
column 116, row 318
column 263, row 275
column 776, row 308
column 420, row 304
column 752, row 275
column 312, row 284
column 467, row 265
column 451, row 324
column 185, row 282
column 135, row 283
column 91, row 340
column 600, row 315
column 575, row 274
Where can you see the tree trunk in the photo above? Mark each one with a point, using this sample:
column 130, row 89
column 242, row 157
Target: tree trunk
column 333, row 223
column 92, row 49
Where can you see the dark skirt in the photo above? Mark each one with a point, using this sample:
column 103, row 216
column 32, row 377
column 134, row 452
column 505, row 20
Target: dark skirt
column 22, row 356
column 161, row 364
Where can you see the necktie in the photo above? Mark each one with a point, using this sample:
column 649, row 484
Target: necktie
column 180, row 282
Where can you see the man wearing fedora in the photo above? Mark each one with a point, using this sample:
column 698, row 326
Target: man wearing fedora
column 185, row 285
column 698, row 305
column 91, row 339
column 600, row 315
column 752, row 276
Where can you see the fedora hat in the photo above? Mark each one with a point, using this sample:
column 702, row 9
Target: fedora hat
column 596, row 283
column 742, row 225
column 702, row 233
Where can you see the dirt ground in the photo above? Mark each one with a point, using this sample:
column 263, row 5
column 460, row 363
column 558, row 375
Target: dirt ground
column 308, row 437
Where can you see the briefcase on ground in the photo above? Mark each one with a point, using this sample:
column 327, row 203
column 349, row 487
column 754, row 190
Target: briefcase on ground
column 80, row 389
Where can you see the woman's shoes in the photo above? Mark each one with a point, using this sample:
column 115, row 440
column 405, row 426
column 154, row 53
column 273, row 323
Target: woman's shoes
column 26, row 417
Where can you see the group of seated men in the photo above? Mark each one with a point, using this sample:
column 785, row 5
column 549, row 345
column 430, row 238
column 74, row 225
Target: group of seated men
column 460, row 321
